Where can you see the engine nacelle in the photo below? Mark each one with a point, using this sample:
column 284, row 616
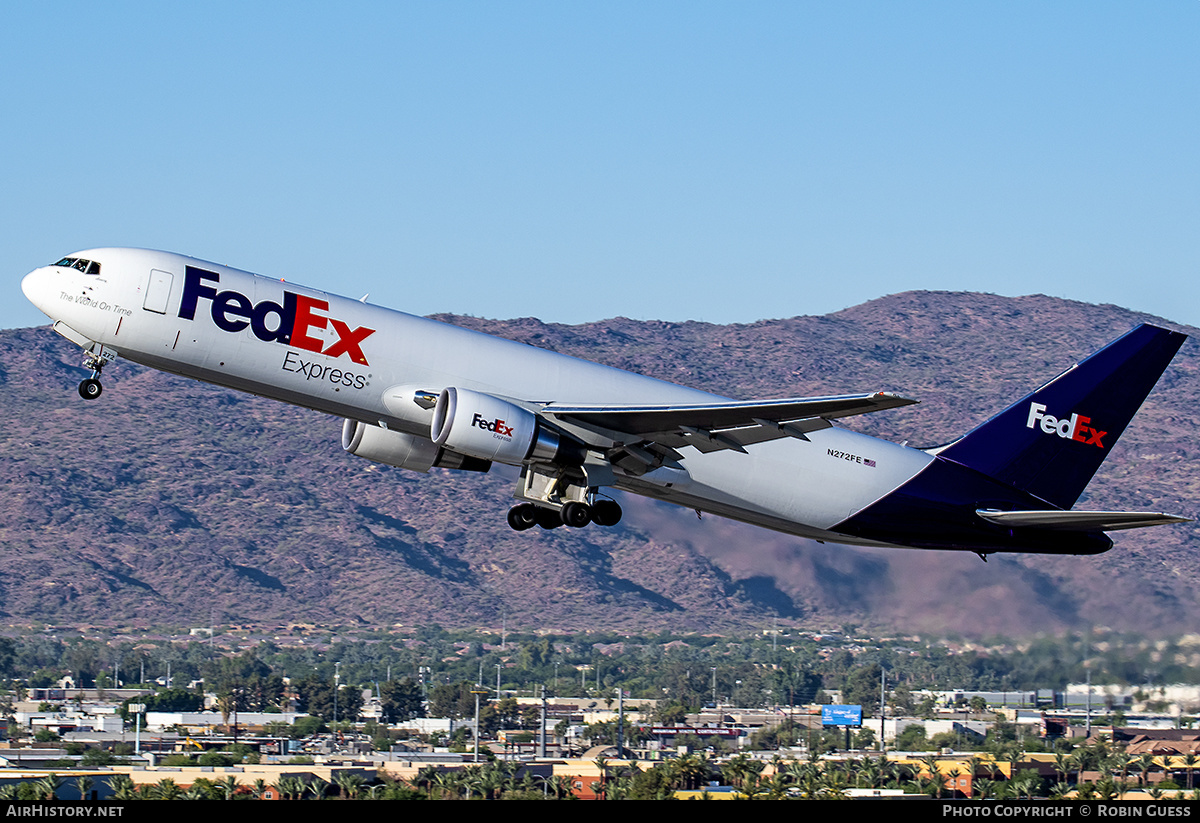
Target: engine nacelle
column 405, row 451
column 484, row 426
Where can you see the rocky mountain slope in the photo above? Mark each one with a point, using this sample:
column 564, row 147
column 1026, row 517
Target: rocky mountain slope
column 172, row 502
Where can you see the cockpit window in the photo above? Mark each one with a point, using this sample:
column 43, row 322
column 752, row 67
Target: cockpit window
column 85, row 266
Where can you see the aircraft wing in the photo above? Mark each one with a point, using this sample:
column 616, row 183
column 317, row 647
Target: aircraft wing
column 1080, row 521
column 716, row 426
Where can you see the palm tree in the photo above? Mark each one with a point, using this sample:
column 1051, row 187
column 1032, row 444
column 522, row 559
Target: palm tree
column 983, row 788
column 493, row 782
column 196, row 792
column 952, row 775
column 528, row 783
column 1119, row 760
column 202, row 789
column 871, row 770
column 1015, row 756
column 47, row 788
column 1145, row 765
column 1026, row 784
column 1060, row 790
column 1107, row 788
column 227, row 787
column 318, row 787
column 835, row 785
column 561, row 786
column 349, row 784
column 291, row 787
column 1079, row 759
column 775, row 787
column 122, row 786
column 739, row 768
column 693, row 770
column 930, row 762
column 1062, row 765
column 425, row 777
column 602, row 765
column 1189, row 763
column 752, row 786
column 617, row 786
column 446, row 784
column 973, row 764
column 83, row 784
column 167, row 789
column 805, row 777
column 887, row 771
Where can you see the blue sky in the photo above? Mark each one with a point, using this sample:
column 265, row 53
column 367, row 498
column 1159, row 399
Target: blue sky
column 724, row 162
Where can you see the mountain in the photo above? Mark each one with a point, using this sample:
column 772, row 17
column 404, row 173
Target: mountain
column 170, row 502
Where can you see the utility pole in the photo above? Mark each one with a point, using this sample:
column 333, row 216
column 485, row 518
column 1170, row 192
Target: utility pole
column 620, row 723
column 1089, row 704
column 137, row 709
column 882, row 704
column 337, row 677
column 542, row 731
column 478, row 690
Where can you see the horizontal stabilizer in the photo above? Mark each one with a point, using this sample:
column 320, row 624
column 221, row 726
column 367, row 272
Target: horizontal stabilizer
column 1072, row 521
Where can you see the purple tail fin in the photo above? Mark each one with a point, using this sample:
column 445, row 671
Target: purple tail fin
column 1050, row 443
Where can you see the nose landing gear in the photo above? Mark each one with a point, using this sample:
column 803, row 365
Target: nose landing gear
column 90, row 388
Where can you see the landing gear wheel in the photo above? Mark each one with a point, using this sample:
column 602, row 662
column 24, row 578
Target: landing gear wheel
column 576, row 515
column 90, row 389
column 522, row 517
column 548, row 518
column 606, row 513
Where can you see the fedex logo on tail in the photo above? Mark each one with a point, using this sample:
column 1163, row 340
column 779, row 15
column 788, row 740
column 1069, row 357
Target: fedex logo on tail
column 1076, row 427
column 288, row 323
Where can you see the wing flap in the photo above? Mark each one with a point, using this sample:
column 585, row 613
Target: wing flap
column 718, row 426
column 1079, row 521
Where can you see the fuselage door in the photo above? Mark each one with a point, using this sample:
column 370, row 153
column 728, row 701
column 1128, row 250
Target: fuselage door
column 158, row 291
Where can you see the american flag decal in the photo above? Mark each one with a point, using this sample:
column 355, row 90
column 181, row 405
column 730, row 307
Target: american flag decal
column 870, row 463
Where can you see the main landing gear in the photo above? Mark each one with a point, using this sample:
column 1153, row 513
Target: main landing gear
column 573, row 513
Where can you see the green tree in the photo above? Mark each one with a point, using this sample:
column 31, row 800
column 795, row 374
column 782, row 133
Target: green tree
column 453, row 701
column 862, row 688
column 400, row 699
column 912, row 739
column 316, row 697
column 670, row 714
column 167, row 700
column 652, row 784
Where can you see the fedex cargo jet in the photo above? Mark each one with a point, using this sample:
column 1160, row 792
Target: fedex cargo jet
column 420, row 394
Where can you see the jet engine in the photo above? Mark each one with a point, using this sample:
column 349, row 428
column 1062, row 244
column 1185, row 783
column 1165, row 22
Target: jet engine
column 487, row 427
column 405, row 451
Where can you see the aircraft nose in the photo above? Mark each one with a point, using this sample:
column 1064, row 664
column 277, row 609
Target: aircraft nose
column 36, row 289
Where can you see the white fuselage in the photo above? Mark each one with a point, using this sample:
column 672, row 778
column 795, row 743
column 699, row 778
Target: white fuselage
column 351, row 359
